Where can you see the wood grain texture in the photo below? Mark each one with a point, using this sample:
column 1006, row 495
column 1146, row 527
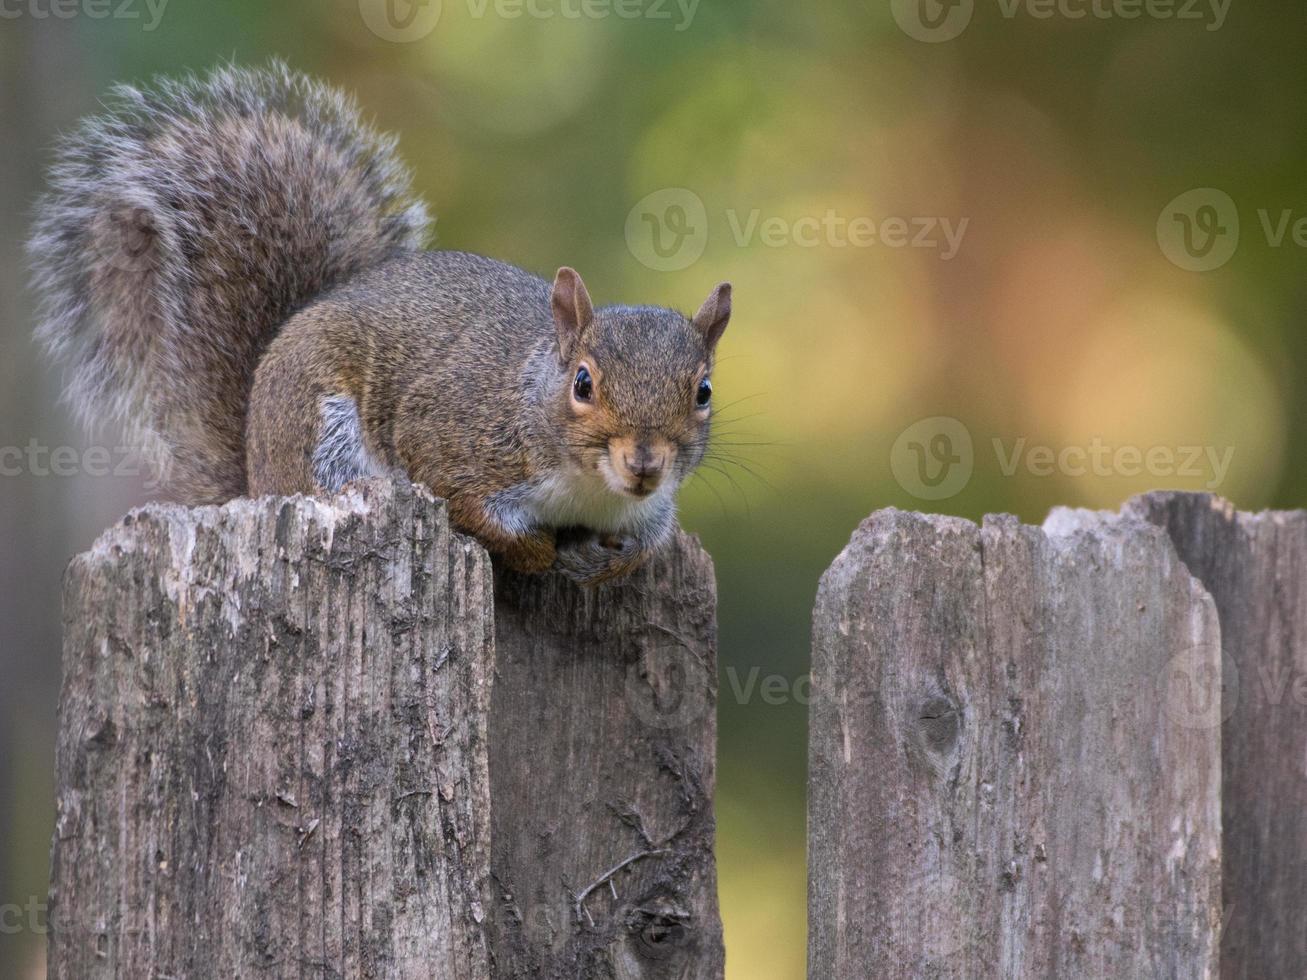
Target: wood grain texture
column 603, row 732
column 1004, row 780
column 1255, row 567
column 273, row 751
column 280, row 756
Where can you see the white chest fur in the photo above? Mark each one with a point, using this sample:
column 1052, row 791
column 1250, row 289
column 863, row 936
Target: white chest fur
column 576, row 499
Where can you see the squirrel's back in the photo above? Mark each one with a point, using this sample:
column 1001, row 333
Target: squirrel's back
column 183, row 228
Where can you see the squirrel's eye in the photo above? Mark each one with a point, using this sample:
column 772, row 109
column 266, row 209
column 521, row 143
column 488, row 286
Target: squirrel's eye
column 704, row 395
column 583, row 387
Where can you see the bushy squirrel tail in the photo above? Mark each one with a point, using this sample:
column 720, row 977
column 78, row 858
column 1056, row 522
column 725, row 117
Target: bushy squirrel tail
column 182, row 229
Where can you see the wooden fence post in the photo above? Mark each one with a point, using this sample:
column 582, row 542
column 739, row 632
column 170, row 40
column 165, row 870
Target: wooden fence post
column 272, row 753
column 1255, row 567
column 1007, row 777
column 276, row 744
column 602, row 770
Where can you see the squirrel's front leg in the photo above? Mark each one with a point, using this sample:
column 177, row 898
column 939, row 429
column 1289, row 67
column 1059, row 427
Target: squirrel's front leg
column 593, row 560
column 521, row 548
column 533, row 553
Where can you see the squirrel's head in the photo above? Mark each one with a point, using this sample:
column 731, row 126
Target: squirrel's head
column 637, row 404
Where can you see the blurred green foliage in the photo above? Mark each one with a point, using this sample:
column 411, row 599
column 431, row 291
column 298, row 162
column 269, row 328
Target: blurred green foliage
column 1059, row 323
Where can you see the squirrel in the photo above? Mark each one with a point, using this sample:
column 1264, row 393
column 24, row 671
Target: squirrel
column 233, row 267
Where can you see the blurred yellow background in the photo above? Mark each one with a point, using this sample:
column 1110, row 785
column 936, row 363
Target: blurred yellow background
column 984, row 260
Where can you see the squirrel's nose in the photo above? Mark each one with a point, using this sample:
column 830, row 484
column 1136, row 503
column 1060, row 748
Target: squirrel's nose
column 645, row 464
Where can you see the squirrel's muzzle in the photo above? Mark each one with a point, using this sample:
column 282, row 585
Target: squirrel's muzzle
column 640, row 463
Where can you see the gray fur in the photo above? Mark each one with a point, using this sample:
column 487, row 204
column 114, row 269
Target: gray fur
column 509, row 509
column 203, row 229
column 587, row 557
column 342, row 456
column 181, row 230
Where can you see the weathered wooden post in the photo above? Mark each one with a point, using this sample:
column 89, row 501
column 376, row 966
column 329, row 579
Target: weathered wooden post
column 602, row 768
column 1009, row 775
column 273, row 744
column 1255, row 567
column 277, row 747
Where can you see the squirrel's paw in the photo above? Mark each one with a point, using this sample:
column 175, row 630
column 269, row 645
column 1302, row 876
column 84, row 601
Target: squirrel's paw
column 592, row 561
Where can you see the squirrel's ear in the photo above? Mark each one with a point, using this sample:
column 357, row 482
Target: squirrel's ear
column 714, row 315
column 573, row 311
